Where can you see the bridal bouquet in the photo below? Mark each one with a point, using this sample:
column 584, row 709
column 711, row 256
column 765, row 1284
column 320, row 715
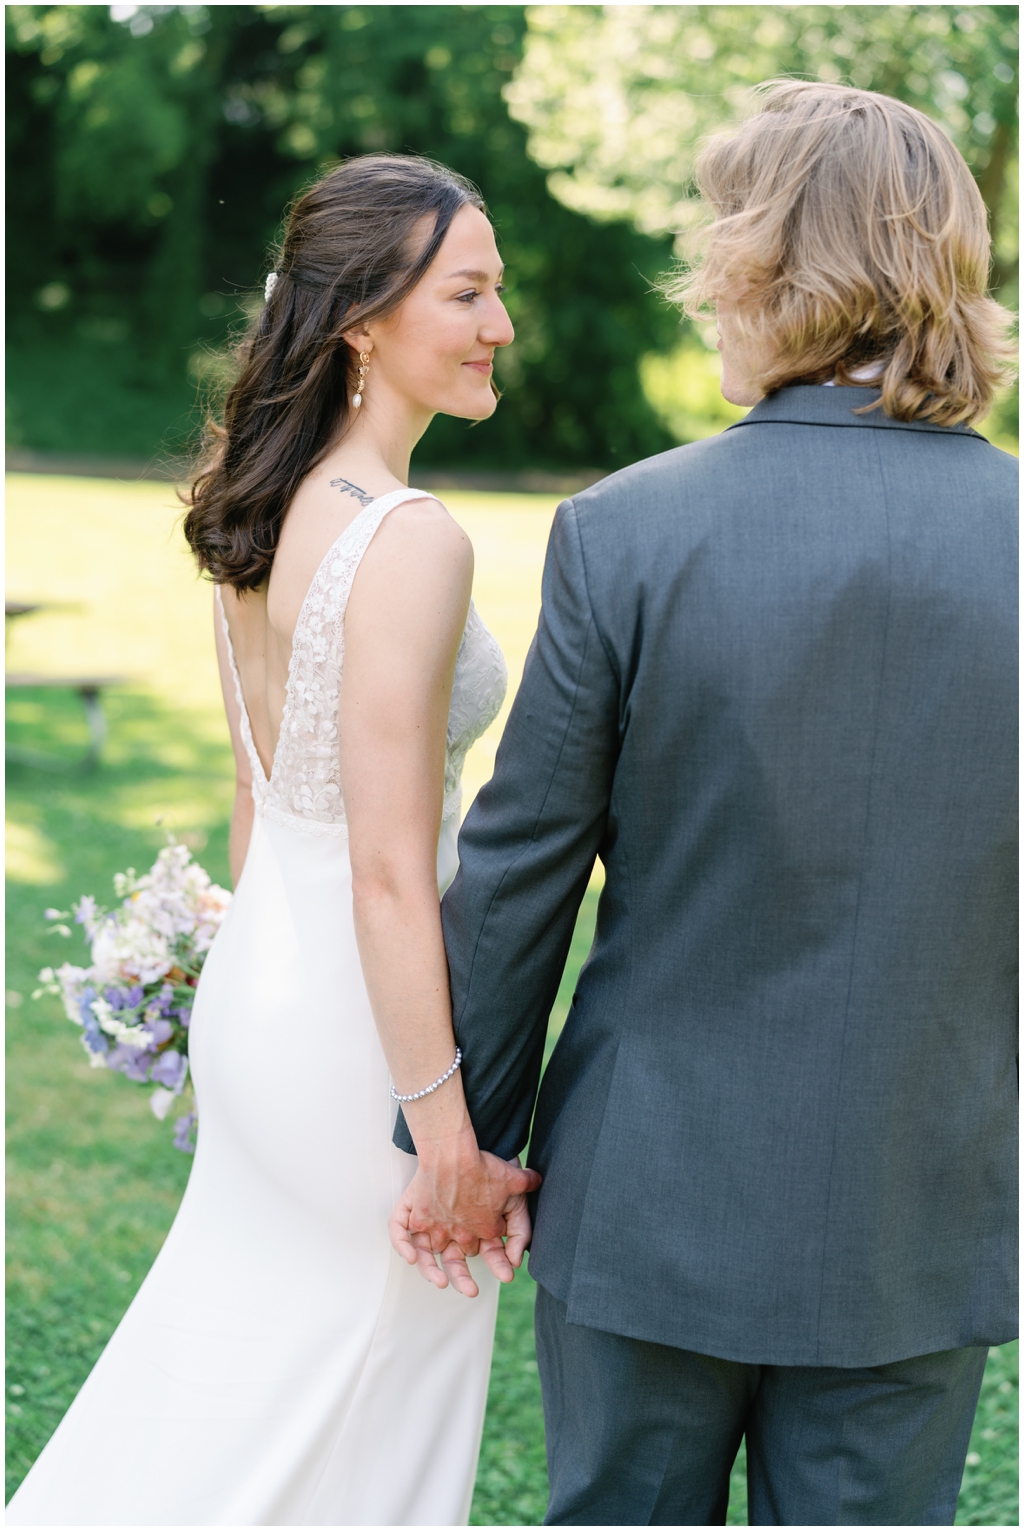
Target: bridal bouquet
column 134, row 1001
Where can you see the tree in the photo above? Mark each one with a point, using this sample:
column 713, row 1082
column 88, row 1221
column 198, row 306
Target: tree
column 153, row 148
column 616, row 97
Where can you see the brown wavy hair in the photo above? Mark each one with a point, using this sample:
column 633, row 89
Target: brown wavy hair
column 850, row 234
column 347, row 259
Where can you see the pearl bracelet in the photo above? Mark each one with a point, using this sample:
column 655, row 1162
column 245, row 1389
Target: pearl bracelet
column 430, row 1087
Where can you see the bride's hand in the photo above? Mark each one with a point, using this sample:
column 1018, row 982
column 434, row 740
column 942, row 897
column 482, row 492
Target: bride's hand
column 465, row 1214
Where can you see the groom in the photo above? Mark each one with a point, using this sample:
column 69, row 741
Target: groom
column 773, row 690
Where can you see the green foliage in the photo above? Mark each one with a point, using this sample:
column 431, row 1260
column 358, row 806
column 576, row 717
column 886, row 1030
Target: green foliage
column 617, row 98
column 684, row 388
column 153, row 148
column 151, row 159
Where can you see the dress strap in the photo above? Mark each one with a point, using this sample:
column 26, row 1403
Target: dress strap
column 356, row 538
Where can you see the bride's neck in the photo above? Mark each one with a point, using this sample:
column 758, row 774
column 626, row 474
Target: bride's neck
column 382, row 434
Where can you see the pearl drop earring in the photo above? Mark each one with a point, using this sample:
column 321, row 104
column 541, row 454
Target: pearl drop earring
column 362, row 369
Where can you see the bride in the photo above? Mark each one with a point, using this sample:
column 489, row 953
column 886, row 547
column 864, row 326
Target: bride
column 281, row 1364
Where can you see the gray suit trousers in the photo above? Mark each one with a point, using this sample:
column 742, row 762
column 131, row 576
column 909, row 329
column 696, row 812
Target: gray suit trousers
column 641, row 1434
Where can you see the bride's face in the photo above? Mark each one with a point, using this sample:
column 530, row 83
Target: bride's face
column 435, row 354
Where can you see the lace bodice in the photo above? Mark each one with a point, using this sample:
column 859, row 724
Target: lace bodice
column 304, row 786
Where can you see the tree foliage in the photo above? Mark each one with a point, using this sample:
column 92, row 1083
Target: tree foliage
column 153, row 148
column 616, row 98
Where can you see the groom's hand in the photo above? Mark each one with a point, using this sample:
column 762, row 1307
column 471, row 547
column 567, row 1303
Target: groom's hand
column 464, row 1202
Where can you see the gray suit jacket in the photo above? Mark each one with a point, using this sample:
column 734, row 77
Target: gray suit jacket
column 773, row 688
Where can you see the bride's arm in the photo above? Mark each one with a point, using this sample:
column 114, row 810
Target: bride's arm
column 404, row 623
column 241, row 814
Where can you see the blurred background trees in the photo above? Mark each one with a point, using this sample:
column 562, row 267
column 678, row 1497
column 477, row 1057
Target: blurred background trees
column 152, row 150
column 616, row 100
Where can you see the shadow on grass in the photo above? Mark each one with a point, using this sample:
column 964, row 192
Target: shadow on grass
column 157, row 764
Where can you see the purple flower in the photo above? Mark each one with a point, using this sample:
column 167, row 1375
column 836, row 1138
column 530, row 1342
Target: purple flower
column 130, row 1062
column 171, row 1070
column 185, row 1015
column 159, row 1029
column 92, row 1036
column 118, row 998
column 184, row 1128
column 94, row 1039
column 122, row 999
column 133, row 996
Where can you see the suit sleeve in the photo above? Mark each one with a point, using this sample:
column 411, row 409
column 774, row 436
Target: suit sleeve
column 526, row 852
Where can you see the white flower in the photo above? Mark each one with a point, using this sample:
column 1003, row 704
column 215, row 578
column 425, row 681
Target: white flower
column 136, row 1037
column 168, row 918
column 107, row 1019
column 161, row 1101
column 89, row 914
column 130, row 949
column 174, row 903
column 96, row 1060
column 72, row 981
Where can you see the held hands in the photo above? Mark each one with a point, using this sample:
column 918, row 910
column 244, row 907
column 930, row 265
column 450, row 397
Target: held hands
column 463, row 1202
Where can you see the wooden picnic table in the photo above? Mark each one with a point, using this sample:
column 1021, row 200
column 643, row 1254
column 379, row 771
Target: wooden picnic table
column 89, row 687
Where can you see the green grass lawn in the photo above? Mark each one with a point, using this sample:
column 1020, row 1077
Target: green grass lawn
column 93, row 1180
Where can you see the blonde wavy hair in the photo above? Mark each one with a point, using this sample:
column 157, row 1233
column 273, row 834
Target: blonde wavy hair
column 850, row 236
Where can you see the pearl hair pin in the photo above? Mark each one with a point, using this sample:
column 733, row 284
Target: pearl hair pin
column 269, row 286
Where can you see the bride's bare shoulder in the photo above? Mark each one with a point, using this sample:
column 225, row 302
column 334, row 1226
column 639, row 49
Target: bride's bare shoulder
column 422, row 529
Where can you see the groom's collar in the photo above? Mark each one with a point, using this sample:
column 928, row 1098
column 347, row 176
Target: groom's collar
column 810, row 404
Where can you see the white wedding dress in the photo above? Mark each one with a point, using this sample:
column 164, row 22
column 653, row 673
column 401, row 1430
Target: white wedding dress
column 280, row 1364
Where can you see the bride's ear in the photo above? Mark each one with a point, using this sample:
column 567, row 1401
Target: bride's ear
column 357, row 340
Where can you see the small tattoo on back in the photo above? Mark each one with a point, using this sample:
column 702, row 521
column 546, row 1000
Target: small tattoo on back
column 353, row 489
